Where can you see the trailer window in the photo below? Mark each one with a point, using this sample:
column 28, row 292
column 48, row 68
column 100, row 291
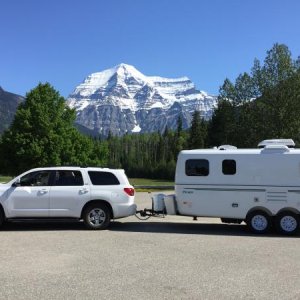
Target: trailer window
column 229, row 167
column 197, row 167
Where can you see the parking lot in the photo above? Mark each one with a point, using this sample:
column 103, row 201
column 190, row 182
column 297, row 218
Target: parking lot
column 161, row 258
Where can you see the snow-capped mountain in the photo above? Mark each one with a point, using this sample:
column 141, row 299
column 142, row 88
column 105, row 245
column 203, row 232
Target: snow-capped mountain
column 122, row 99
column 8, row 106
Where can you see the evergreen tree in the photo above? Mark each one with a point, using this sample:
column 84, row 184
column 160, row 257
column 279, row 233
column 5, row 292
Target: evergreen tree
column 257, row 79
column 244, row 89
column 179, row 139
column 278, row 66
column 222, row 127
column 179, row 126
column 248, row 109
column 198, row 132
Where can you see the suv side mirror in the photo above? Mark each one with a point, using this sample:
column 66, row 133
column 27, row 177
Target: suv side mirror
column 16, row 183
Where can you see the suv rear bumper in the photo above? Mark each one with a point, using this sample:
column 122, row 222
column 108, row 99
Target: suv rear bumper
column 124, row 210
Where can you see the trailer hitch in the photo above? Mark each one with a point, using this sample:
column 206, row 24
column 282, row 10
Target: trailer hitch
column 158, row 208
column 147, row 213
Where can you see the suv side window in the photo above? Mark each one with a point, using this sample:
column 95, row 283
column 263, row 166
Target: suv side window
column 103, row 178
column 68, row 178
column 37, row 178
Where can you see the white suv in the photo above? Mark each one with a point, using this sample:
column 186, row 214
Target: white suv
column 95, row 195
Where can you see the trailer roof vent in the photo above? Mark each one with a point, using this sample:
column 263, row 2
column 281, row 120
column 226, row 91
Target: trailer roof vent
column 226, row 147
column 268, row 149
column 283, row 142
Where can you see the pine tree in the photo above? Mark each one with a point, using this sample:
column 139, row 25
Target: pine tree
column 278, row 66
column 198, row 132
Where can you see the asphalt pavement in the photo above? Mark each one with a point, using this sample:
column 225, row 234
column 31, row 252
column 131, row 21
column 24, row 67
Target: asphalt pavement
column 161, row 258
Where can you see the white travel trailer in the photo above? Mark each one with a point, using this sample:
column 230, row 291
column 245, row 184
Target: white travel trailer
column 258, row 186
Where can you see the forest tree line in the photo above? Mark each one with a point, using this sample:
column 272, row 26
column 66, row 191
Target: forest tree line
column 262, row 104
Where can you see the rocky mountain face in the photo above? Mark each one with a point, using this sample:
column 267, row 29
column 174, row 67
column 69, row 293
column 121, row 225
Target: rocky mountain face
column 8, row 106
column 122, row 100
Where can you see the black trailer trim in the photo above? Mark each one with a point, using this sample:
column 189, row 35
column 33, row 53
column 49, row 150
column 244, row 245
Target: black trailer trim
column 226, row 189
column 240, row 185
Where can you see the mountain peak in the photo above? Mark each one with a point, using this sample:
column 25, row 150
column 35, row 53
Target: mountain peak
column 125, row 66
column 125, row 70
column 122, row 99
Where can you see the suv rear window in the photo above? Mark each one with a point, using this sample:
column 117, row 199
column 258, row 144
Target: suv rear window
column 103, row 178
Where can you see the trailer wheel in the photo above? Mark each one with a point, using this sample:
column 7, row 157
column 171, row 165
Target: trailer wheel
column 259, row 222
column 287, row 223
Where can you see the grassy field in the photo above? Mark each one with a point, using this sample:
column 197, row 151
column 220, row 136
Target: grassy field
column 150, row 182
column 150, row 185
column 4, row 178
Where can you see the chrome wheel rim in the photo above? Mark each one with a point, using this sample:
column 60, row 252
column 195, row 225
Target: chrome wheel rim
column 288, row 223
column 96, row 217
column 259, row 222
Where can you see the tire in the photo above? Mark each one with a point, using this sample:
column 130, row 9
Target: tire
column 2, row 217
column 97, row 216
column 259, row 222
column 287, row 223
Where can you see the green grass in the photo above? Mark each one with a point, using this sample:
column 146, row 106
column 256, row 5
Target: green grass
column 153, row 182
column 5, row 178
column 156, row 183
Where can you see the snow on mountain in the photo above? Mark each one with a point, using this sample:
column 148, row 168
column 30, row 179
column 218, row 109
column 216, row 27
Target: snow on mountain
column 122, row 99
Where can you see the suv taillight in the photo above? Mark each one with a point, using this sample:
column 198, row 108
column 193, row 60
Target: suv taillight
column 129, row 191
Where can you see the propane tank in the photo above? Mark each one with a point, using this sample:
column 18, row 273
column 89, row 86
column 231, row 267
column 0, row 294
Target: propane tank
column 158, row 204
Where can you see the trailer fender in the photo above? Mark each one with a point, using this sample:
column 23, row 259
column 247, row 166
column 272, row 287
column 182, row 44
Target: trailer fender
column 260, row 208
column 287, row 209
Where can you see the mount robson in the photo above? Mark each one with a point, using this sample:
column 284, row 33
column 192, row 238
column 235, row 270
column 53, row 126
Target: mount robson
column 8, row 106
column 122, row 100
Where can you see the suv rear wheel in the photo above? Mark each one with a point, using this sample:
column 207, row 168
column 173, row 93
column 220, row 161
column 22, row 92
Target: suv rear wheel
column 97, row 216
column 1, row 216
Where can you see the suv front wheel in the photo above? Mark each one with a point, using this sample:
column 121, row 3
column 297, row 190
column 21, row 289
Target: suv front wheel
column 97, row 216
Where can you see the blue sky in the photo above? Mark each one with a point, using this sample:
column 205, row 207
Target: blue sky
column 63, row 41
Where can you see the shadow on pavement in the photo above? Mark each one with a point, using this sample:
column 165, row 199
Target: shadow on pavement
column 190, row 228
column 141, row 227
column 43, row 226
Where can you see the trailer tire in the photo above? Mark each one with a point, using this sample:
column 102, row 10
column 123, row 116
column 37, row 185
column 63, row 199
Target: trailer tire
column 287, row 223
column 259, row 222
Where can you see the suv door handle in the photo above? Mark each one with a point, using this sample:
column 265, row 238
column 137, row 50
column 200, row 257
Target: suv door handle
column 43, row 191
column 84, row 191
